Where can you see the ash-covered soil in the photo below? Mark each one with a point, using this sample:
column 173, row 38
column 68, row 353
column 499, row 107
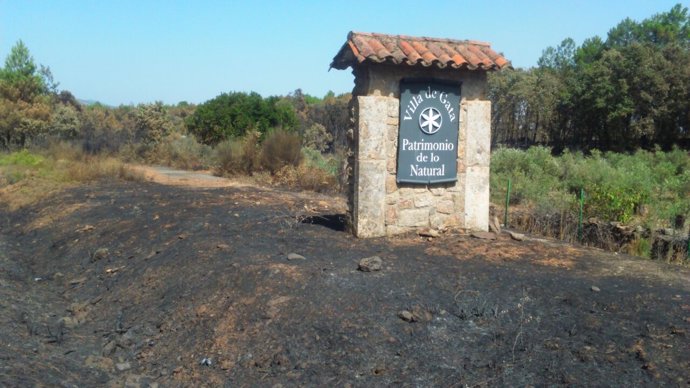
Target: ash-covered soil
column 144, row 284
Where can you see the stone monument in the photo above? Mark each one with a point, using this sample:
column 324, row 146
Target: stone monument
column 421, row 136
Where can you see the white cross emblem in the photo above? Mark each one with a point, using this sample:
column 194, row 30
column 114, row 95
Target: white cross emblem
column 430, row 120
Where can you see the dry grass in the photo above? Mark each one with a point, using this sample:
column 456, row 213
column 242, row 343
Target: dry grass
column 306, row 177
column 281, row 149
column 28, row 177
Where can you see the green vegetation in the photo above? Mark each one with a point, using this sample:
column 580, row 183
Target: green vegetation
column 629, row 91
column 233, row 133
column 649, row 188
column 26, row 177
column 233, row 115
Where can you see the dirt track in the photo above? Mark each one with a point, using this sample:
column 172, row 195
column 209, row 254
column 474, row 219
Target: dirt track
column 147, row 283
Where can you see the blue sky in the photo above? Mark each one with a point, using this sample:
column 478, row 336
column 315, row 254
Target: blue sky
column 129, row 52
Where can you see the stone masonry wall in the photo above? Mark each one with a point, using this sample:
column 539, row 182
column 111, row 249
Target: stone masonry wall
column 379, row 205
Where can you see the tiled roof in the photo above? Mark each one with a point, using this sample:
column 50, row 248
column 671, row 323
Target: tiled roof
column 364, row 47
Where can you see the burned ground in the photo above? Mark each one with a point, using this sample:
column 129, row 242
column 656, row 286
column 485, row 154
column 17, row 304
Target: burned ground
column 142, row 283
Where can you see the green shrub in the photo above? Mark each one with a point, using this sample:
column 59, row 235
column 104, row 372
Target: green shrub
column 21, row 158
column 617, row 186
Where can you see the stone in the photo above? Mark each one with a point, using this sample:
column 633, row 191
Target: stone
column 421, row 314
column 406, row 316
column 372, row 126
column 393, row 230
column 413, row 217
column 484, row 235
column 495, row 225
column 123, row 366
column 391, row 166
column 517, row 236
column 405, row 204
column 77, row 281
column 595, row 288
column 476, row 199
column 370, row 197
column 223, row 247
column 391, row 184
column 391, row 215
column 423, row 200
column 70, row 322
column 98, row 362
column 428, row 232
column 370, row 264
column 109, row 348
column 295, row 256
column 100, row 254
column 440, row 220
column 437, row 191
column 445, row 207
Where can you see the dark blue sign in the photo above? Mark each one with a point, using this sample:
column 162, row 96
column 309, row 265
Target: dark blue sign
column 428, row 136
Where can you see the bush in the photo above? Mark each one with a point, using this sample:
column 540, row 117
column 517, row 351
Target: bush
column 233, row 115
column 317, row 137
column 238, row 156
column 38, row 176
column 250, row 153
column 181, row 152
column 228, row 154
column 21, row 158
column 617, row 186
column 280, row 149
column 306, row 177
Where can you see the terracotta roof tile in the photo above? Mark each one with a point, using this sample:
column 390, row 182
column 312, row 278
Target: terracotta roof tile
column 362, row 47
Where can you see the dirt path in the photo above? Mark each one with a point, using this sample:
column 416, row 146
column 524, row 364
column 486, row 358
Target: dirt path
column 135, row 283
column 199, row 179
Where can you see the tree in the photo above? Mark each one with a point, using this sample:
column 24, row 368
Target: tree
column 64, row 122
column 631, row 90
column 152, row 123
column 232, row 115
column 25, row 103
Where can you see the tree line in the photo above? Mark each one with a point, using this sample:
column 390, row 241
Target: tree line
column 629, row 91
column 33, row 111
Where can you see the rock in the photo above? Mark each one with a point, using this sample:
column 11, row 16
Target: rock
column 421, row 314
column 428, row 232
column 70, row 322
column 495, row 225
column 100, row 254
column 370, row 264
column 595, row 289
column 98, row 362
column 109, row 348
column 223, row 247
column 295, row 256
column 123, row 366
column 406, row 316
column 77, row 281
column 484, row 235
column 86, row 228
column 517, row 236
